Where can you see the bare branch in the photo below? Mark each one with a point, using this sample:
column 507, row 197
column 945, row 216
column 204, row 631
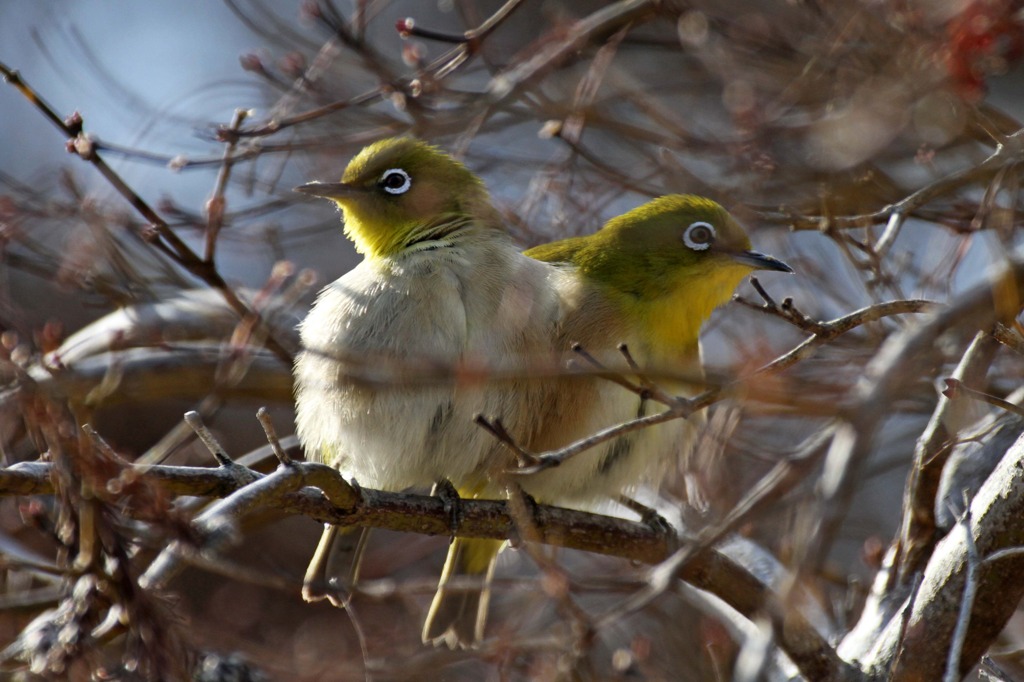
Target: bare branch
column 935, row 610
column 1009, row 152
column 954, row 387
column 216, row 205
column 901, row 356
column 704, row 567
column 263, row 415
column 917, row 535
column 681, row 408
column 601, row 23
column 963, row 619
column 165, row 237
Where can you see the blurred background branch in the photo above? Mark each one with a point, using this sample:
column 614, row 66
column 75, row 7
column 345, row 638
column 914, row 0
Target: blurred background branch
column 875, row 147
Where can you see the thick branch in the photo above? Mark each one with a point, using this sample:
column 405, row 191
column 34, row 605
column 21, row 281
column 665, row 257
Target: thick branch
column 917, row 534
column 164, row 237
column 189, row 371
column 393, row 511
column 918, row 651
column 708, row 569
column 906, row 354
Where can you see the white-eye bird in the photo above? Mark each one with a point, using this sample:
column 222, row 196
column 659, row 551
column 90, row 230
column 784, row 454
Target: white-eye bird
column 649, row 278
column 441, row 285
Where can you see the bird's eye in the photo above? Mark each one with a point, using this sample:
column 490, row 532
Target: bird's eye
column 699, row 236
column 395, row 181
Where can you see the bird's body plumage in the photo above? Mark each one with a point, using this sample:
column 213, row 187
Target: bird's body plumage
column 586, row 405
column 441, row 287
column 477, row 306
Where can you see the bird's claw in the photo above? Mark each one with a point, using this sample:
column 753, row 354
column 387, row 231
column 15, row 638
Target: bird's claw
column 658, row 523
column 649, row 516
column 451, row 500
column 330, row 591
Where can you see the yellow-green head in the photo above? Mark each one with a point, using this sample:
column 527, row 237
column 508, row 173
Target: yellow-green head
column 400, row 192
column 667, row 264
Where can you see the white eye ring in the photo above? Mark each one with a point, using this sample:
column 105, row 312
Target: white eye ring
column 699, row 235
column 388, row 177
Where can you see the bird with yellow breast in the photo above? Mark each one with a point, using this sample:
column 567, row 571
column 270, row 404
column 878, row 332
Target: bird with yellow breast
column 648, row 279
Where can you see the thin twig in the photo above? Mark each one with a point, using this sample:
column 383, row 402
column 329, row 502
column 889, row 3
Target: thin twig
column 166, row 240
column 835, row 328
column 648, row 389
column 683, row 408
column 408, row 28
column 601, row 23
column 603, row 371
column 276, row 125
column 892, row 230
column 780, row 480
column 263, row 415
column 963, row 619
column 215, row 206
column 954, row 387
column 1008, row 152
column 500, row 433
column 193, row 419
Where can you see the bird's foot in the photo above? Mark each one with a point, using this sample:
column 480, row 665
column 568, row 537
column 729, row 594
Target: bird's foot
column 649, row 516
column 452, row 501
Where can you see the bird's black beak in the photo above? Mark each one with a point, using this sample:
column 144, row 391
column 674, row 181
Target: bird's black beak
column 330, row 190
column 760, row 261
